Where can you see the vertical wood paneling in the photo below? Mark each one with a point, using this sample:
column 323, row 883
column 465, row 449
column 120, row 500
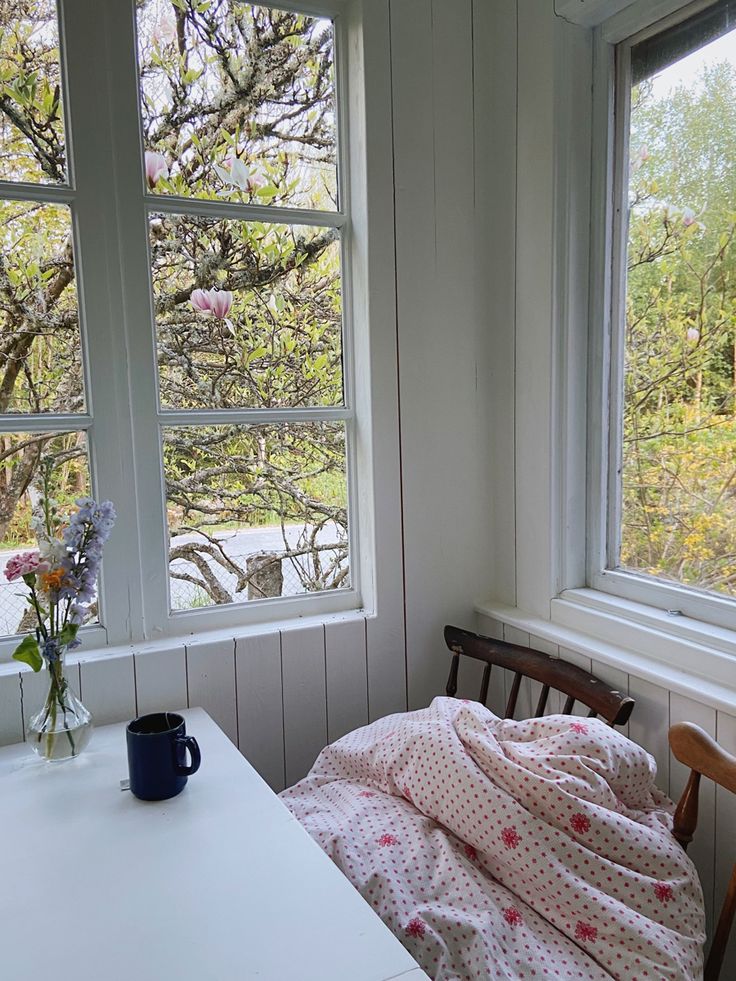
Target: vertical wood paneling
column 496, row 691
column 347, row 681
column 160, row 680
column 260, row 705
column 650, row 723
column 617, row 679
column 211, row 683
column 582, row 662
column 702, row 849
column 725, row 842
column 386, row 664
column 512, row 635
column 107, row 688
column 305, row 699
column 11, row 715
column 554, row 700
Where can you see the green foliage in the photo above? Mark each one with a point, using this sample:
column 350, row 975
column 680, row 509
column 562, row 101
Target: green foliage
column 679, row 455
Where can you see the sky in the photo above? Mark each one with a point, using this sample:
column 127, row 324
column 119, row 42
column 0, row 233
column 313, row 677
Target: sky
column 688, row 69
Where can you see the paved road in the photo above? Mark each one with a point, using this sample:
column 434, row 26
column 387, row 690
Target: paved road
column 236, row 544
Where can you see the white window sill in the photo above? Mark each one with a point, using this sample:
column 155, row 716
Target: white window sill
column 684, row 655
column 86, row 653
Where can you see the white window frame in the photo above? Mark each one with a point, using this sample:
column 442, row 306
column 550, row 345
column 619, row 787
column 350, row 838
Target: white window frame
column 104, row 148
column 613, row 42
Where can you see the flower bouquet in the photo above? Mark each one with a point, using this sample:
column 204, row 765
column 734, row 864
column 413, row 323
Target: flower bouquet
column 61, row 579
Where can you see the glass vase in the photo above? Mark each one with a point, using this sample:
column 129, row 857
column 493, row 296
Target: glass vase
column 61, row 730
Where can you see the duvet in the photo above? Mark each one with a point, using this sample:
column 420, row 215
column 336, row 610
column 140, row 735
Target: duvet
column 504, row 850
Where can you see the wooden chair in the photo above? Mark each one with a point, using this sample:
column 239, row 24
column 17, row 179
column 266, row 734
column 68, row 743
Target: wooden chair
column 695, row 748
column 575, row 683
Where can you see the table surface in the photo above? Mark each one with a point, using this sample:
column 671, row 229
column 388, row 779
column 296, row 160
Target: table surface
column 218, row 884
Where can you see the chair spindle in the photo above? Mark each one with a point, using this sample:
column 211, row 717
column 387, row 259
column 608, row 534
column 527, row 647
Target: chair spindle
column 484, row 684
column 568, row 706
column 542, row 703
column 452, row 680
column 511, row 704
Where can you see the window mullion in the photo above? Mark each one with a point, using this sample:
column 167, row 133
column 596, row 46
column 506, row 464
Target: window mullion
column 101, row 302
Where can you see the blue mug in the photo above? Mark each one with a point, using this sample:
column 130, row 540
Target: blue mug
column 157, row 753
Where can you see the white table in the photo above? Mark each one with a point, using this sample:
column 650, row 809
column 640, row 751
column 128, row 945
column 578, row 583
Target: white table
column 218, row 884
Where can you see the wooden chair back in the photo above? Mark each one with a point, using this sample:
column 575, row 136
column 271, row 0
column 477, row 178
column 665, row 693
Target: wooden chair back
column 694, row 748
column 551, row 672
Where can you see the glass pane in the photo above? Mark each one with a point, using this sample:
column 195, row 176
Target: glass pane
column 255, row 511
column 248, row 315
column 22, row 459
column 40, row 353
column 679, row 439
column 32, row 144
column 237, row 102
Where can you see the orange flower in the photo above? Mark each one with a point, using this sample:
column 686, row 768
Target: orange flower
column 52, row 580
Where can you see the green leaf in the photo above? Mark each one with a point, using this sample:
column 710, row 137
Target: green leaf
column 28, row 652
column 68, row 634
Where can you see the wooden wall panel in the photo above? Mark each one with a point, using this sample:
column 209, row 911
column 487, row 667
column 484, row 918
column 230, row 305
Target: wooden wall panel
column 617, row 679
column 305, row 699
column 650, row 722
column 260, row 705
column 346, row 677
column 160, row 679
column 211, row 683
column 107, row 688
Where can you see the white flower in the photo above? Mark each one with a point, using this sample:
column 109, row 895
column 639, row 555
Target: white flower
column 235, row 173
column 52, row 550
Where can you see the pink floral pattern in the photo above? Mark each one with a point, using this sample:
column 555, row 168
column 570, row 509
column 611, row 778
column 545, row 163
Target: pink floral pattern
column 580, row 823
column 584, row 931
column 513, row 916
column 579, row 877
column 511, row 838
column 580, row 728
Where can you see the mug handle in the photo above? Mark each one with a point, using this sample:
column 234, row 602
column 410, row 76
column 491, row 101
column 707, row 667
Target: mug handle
column 190, row 743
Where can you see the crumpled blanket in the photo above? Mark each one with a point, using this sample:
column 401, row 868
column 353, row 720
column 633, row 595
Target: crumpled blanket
column 497, row 849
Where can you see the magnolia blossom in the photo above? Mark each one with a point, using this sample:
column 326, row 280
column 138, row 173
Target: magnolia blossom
column 693, row 335
column 165, row 30
column 24, row 564
column 235, row 173
column 214, row 301
column 156, row 168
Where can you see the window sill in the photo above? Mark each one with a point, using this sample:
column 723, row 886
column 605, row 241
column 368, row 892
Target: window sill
column 684, row 655
column 85, row 653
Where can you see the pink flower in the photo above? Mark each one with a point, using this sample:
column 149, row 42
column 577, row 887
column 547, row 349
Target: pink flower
column 510, row 838
column 220, row 303
column 513, row 916
column 663, row 892
column 214, row 301
column 579, row 727
column 235, row 173
column 584, row 931
column 580, row 823
column 24, row 564
column 200, row 300
column 156, row 168
column 693, row 335
column 416, row 928
column 387, row 840
column 688, row 217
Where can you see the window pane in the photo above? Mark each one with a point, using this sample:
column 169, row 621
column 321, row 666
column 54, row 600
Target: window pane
column 40, row 356
column 247, row 314
column 31, row 124
column 255, row 511
column 679, row 449
column 237, row 101
column 23, row 457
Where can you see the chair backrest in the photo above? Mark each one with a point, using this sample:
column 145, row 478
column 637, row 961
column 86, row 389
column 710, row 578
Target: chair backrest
column 552, row 673
column 694, row 748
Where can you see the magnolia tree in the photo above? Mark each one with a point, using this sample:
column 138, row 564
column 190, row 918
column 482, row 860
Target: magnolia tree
column 237, row 105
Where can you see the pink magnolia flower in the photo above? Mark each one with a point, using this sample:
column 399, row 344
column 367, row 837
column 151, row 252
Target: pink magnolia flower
column 688, row 217
column 214, row 301
column 220, row 303
column 693, row 335
column 235, row 173
column 24, row 564
column 156, row 168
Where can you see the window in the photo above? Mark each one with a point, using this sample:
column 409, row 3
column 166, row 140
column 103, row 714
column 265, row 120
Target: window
column 671, row 518
column 175, row 328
